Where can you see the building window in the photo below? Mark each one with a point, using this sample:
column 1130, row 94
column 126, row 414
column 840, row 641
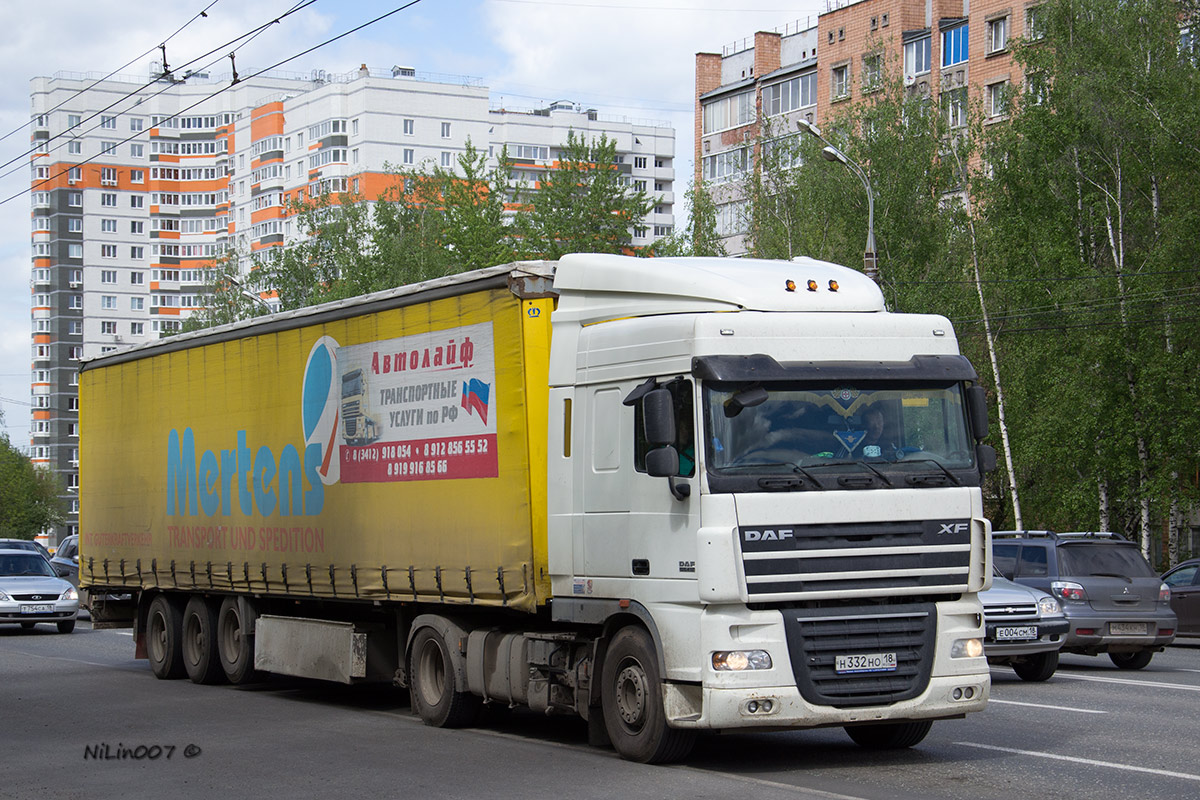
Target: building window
column 137, row 328
column 74, row 251
column 445, row 130
column 997, row 99
column 137, row 176
column 1035, row 23
column 108, row 148
column 137, row 150
column 354, row 127
column 447, row 158
column 956, row 107
column 76, row 327
column 108, row 122
column 108, row 276
column 137, row 226
column 108, row 301
column 916, row 57
column 872, row 75
column 137, row 278
column 73, row 174
column 108, row 251
column 955, row 48
column 108, row 327
column 136, row 123
column 799, row 92
column 75, row 147
column 137, row 253
column 74, row 225
column 639, row 162
column 409, row 126
column 839, row 83
column 729, row 112
column 72, row 120
column 75, row 199
column 409, row 155
column 108, row 199
column 725, row 166
column 108, row 226
column 137, row 303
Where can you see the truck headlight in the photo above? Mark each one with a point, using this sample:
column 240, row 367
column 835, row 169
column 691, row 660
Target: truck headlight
column 1048, row 606
column 740, row 660
column 967, row 648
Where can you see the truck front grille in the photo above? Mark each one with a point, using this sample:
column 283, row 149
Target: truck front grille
column 789, row 562
column 816, row 637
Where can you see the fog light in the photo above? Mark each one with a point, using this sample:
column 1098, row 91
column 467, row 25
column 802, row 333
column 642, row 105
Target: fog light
column 740, row 660
column 767, row 705
column 967, row 648
column 752, row 706
column 969, row 692
column 957, row 694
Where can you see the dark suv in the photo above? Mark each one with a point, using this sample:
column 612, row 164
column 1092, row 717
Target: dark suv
column 1115, row 602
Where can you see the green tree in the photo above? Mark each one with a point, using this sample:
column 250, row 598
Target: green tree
column 582, row 206
column 700, row 237
column 29, row 495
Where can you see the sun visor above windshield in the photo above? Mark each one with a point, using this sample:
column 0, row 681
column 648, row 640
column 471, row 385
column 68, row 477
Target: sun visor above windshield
column 758, row 367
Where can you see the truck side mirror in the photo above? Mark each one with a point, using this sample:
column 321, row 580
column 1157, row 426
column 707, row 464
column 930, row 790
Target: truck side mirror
column 977, row 411
column 985, row 457
column 662, row 462
column 658, row 414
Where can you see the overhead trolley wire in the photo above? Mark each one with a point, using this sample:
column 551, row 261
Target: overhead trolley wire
column 249, row 36
column 224, row 89
column 202, row 13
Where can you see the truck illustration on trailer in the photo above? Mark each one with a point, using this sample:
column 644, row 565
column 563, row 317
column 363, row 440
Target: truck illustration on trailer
column 667, row 496
column 358, row 425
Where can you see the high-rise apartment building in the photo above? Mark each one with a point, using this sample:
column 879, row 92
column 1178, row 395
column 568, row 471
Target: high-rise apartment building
column 956, row 52
column 137, row 187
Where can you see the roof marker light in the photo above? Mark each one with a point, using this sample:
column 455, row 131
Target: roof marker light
column 833, row 285
column 790, row 286
column 812, row 285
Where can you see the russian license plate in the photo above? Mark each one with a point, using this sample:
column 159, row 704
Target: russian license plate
column 868, row 662
column 1023, row 633
column 43, row 608
column 1127, row 628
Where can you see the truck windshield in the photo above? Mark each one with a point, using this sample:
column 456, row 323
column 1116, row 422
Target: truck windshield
column 886, row 434
column 352, row 383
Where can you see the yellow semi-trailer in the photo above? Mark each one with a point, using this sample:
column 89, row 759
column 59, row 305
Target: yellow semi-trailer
column 667, row 496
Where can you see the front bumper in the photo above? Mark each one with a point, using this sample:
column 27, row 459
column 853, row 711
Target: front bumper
column 1050, row 636
column 63, row 610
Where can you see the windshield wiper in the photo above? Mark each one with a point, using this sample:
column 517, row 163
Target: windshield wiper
column 882, row 477
column 937, row 464
column 794, row 467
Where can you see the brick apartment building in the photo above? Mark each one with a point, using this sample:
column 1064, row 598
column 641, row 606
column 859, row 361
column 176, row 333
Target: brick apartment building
column 957, row 52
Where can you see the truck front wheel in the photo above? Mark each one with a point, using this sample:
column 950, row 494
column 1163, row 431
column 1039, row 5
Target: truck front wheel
column 631, row 696
column 164, row 625
column 199, row 642
column 889, row 735
column 235, row 644
column 436, row 696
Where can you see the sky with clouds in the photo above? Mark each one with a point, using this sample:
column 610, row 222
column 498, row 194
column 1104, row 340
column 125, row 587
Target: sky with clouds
column 623, row 57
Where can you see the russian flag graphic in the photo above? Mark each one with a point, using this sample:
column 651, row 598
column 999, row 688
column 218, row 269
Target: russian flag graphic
column 475, row 397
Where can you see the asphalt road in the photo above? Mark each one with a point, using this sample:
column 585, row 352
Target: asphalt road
column 79, row 718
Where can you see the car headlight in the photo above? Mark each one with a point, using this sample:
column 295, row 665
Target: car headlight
column 4, row 598
column 69, row 594
column 740, row 660
column 1048, row 606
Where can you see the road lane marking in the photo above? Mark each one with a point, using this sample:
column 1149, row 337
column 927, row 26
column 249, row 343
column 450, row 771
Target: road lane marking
column 1127, row 682
column 1089, row 761
column 1041, row 705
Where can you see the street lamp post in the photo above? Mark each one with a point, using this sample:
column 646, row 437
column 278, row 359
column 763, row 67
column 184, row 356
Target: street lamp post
column 831, row 153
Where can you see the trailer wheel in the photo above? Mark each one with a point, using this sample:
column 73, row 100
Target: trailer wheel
column 164, row 625
column 199, row 642
column 436, row 696
column 889, row 735
column 631, row 697
column 235, row 645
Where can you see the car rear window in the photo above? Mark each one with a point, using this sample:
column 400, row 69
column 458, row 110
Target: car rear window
column 1081, row 560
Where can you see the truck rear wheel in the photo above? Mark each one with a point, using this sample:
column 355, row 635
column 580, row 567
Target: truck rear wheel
column 436, row 696
column 164, row 624
column 889, row 735
column 235, row 644
column 199, row 642
column 631, row 697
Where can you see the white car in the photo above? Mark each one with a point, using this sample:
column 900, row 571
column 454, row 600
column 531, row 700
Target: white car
column 30, row 592
column 1025, row 628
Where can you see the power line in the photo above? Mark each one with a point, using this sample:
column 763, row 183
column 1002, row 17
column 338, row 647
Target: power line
column 202, row 13
column 224, row 89
column 1049, row 280
column 249, row 36
column 1079, row 325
